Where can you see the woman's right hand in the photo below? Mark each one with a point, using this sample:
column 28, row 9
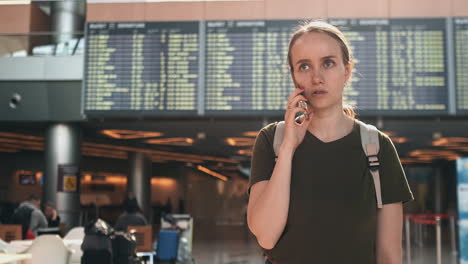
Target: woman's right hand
column 294, row 132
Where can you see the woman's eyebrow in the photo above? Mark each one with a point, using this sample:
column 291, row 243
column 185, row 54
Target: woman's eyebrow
column 302, row 61
column 323, row 58
column 329, row 57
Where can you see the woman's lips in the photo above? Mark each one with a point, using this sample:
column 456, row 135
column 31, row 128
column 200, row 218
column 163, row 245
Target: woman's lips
column 319, row 93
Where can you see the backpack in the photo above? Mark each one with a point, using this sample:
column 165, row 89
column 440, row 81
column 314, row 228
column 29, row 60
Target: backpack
column 22, row 216
column 370, row 145
column 124, row 248
column 97, row 244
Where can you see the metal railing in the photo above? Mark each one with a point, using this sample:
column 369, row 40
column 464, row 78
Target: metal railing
column 415, row 229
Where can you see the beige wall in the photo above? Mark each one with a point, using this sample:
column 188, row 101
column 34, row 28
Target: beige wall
column 15, row 18
column 39, row 20
column 22, row 19
column 274, row 9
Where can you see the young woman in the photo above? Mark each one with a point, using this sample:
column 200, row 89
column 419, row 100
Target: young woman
column 317, row 203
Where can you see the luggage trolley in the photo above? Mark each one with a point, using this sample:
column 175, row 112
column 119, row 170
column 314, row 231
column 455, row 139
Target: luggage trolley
column 175, row 238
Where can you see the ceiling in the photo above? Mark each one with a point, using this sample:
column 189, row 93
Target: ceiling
column 222, row 140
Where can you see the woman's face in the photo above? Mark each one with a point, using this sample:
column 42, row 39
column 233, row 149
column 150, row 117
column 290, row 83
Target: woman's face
column 318, row 67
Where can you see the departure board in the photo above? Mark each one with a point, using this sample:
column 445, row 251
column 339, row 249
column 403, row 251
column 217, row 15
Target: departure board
column 141, row 67
column 155, row 68
column 461, row 61
column 246, row 66
column 400, row 65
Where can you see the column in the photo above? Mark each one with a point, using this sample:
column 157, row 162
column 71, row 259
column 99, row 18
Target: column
column 61, row 177
column 438, row 190
column 139, row 180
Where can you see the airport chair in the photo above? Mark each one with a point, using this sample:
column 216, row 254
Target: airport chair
column 49, row 249
column 3, row 246
column 144, row 237
column 10, row 232
column 73, row 240
column 76, row 233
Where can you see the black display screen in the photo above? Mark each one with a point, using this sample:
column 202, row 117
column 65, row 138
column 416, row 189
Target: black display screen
column 461, row 62
column 246, row 66
column 141, row 67
column 400, row 65
column 155, row 68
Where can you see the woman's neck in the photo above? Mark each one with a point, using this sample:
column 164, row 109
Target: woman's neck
column 330, row 125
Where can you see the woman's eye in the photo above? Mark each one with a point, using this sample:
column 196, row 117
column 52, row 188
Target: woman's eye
column 328, row 63
column 303, row 67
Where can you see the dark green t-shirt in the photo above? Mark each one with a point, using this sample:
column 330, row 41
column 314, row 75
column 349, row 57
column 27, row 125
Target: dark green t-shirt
column 333, row 210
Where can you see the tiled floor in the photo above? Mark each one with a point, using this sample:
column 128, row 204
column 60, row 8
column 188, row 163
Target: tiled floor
column 227, row 252
column 236, row 246
column 428, row 255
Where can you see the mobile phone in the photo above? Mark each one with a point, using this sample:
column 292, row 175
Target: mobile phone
column 303, row 104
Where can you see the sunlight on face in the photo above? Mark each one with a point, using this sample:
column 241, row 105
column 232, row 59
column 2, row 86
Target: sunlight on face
column 318, row 67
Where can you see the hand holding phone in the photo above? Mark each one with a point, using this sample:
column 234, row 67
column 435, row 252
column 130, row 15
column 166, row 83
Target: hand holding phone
column 297, row 118
column 303, row 104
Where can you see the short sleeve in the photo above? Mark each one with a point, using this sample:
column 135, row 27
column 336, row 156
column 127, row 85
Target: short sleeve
column 38, row 220
column 263, row 156
column 393, row 180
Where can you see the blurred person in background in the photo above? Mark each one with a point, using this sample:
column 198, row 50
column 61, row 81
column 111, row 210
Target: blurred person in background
column 30, row 216
column 53, row 219
column 132, row 215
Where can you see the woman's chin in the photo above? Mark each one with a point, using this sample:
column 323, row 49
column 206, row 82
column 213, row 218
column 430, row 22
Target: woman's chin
column 318, row 106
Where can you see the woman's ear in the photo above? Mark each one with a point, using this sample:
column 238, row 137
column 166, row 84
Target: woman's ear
column 348, row 70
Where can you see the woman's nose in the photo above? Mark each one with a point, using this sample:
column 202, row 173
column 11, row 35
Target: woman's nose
column 316, row 76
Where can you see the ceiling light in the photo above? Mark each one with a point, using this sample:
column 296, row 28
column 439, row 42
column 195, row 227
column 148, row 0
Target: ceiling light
column 20, row 136
column 427, row 154
column 180, row 141
column 240, row 141
column 246, row 152
column 129, row 134
column 450, row 141
column 201, row 135
column 11, row 150
column 250, row 133
column 212, row 173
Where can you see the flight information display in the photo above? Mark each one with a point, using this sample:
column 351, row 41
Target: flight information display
column 400, row 65
column 246, row 67
column 240, row 67
column 143, row 67
column 461, row 62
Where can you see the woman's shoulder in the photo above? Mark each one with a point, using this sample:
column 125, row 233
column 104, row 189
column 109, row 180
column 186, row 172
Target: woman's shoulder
column 268, row 131
column 384, row 138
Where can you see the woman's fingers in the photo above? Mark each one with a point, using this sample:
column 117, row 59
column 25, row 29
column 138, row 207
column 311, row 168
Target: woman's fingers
column 295, row 93
column 294, row 102
column 292, row 113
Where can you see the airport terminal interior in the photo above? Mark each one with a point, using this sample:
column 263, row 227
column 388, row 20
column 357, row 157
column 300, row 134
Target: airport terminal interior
column 110, row 104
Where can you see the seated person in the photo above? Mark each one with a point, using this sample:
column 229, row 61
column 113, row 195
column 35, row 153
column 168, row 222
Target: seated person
column 30, row 216
column 53, row 219
column 131, row 216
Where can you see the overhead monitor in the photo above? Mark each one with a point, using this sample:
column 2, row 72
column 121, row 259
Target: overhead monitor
column 141, row 68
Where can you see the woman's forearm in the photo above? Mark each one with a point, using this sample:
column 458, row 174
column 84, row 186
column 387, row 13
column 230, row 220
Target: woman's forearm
column 268, row 214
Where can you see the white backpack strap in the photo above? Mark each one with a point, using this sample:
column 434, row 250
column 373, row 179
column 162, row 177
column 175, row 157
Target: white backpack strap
column 278, row 139
column 370, row 145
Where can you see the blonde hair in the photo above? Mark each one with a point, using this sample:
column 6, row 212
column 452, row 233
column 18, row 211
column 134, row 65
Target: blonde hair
column 334, row 32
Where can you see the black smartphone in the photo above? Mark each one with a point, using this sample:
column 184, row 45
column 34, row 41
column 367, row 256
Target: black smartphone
column 302, row 104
